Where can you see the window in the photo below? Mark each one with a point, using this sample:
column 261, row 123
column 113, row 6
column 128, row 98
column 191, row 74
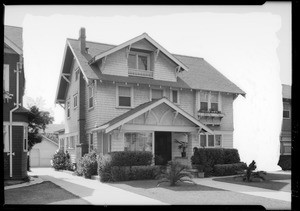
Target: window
column 124, row 96
column 91, row 95
column 91, row 143
column 156, row 94
column 286, row 111
column 139, row 61
column 203, row 140
column 68, row 109
column 25, row 138
column 138, row 141
column 175, row 96
column 210, row 140
column 204, row 101
column 6, row 77
column 214, row 101
column 5, row 138
column 71, row 144
column 75, row 98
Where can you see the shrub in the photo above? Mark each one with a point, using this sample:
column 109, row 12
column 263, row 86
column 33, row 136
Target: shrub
column 120, row 173
column 131, row 158
column 229, row 169
column 60, row 161
column 285, row 162
column 104, row 168
column 231, row 156
column 249, row 174
column 174, row 174
column 144, row 172
column 87, row 165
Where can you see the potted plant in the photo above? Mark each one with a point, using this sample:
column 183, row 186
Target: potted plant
column 182, row 146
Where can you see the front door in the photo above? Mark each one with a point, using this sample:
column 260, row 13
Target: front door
column 163, row 147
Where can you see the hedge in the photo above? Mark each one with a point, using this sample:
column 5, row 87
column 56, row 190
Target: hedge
column 61, row 161
column 285, row 162
column 87, row 165
column 126, row 173
column 132, row 159
column 228, row 169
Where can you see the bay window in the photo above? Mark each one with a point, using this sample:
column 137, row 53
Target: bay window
column 141, row 141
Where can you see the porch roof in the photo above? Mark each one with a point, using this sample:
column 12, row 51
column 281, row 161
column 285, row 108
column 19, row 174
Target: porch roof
column 137, row 111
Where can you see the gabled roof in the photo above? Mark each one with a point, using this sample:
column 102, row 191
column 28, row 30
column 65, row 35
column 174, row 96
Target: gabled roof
column 201, row 75
column 50, row 140
column 52, row 128
column 286, row 91
column 13, row 38
column 134, row 40
column 141, row 109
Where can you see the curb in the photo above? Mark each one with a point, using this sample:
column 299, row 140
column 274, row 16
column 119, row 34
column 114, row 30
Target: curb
column 33, row 181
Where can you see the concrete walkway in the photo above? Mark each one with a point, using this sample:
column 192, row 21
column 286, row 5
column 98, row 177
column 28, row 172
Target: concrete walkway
column 93, row 191
column 262, row 192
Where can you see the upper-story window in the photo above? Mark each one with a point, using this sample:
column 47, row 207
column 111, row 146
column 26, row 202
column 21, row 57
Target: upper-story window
column 156, row 94
column 6, row 77
column 214, row 101
column 91, row 95
column 286, row 110
column 124, row 96
column 175, row 96
column 204, row 101
column 68, row 108
column 139, row 64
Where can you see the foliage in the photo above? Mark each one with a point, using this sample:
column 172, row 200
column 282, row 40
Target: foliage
column 209, row 157
column 285, row 162
column 37, row 120
column 250, row 174
column 174, row 174
column 104, row 168
column 228, row 169
column 61, row 161
column 182, row 145
column 131, row 158
column 159, row 160
column 126, row 173
column 87, row 165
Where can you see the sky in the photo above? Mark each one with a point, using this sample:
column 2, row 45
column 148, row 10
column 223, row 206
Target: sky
column 250, row 45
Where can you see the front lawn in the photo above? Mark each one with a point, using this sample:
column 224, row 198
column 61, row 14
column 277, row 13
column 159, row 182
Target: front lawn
column 43, row 193
column 189, row 194
column 279, row 182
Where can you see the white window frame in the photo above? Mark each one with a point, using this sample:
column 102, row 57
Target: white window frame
column 68, row 107
column 6, row 138
column 209, row 98
column 136, row 54
column 164, row 94
column 117, row 96
column 75, row 101
column 289, row 110
column 92, row 88
column 25, row 138
column 171, row 96
column 206, row 141
column 140, row 131
column 6, row 77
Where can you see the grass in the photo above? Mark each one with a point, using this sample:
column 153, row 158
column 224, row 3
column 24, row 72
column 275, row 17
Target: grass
column 271, row 182
column 42, row 193
column 190, row 194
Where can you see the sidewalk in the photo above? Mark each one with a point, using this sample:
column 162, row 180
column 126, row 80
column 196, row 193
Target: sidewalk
column 93, row 191
column 267, row 193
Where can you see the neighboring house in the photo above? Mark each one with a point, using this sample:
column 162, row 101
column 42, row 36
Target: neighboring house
column 285, row 136
column 42, row 153
column 15, row 116
column 139, row 96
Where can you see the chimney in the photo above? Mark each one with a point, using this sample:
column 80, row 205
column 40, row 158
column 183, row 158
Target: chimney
column 82, row 44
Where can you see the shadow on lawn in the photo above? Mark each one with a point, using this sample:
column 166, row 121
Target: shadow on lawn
column 150, row 184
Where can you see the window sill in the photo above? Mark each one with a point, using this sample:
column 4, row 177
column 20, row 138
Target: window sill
column 208, row 114
column 75, row 108
column 124, row 107
column 91, row 108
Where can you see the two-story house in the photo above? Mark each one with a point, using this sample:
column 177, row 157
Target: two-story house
column 285, row 136
column 139, row 96
column 15, row 117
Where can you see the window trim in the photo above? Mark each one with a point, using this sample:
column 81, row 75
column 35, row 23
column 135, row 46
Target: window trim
column 164, row 93
column 136, row 54
column 219, row 100
column 289, row 110
column 75, row 95
column 171, row 96
column 25, row 138
column 68, row 107
column 206, row 141
column 131, row 96
column 92, row 87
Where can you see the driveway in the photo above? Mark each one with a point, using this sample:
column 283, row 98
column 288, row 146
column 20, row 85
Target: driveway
column 93, row 191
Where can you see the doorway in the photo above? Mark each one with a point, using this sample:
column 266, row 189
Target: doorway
column 163, row 147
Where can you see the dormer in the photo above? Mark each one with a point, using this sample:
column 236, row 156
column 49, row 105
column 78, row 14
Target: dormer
column 144, row 57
